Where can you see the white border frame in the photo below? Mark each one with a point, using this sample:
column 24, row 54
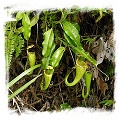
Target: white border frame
column 75, row 114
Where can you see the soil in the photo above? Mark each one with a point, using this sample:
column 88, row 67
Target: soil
column 58, row 93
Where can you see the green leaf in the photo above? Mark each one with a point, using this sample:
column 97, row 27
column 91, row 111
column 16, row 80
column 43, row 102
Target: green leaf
column 26, row 21
column 9, row 49
column 57, row 55
column 48, row 42
column 19, row 30
column 13, row 42
column 34, row 20
column 65, row 106
column 19, row 46
column 69, row 40
column 76, row 25
column 19, row 15
column 22, row 75
column 107, row 102
column 72, row 32
column 88, row 40
column 102, row 13
column 26, row 27
column 100, row 16
column 22, row 88
column 73, row 38
column 86, row 55
column 45, row 60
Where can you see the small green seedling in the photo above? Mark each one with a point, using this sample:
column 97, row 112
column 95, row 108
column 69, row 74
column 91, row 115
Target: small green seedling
column 107, row 102
column 65, row 106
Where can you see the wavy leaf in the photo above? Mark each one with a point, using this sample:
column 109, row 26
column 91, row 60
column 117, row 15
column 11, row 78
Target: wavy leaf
column 48, row 42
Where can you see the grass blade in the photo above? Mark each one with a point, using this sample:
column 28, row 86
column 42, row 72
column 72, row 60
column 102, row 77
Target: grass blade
column 22, row 88
column 21, row 75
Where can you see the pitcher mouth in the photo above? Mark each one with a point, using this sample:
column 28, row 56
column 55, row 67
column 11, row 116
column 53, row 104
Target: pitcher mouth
column 81, row 63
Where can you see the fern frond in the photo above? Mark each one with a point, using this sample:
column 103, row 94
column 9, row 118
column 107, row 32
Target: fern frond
column 20, row 45
column 9, row 49
column 13, row 42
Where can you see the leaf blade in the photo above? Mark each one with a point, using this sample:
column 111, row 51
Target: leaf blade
column 22, row 88
column 26, row 27
column 19, row 15
column 57, row 55
column 85, row 54
column 34, row 20
column 72, row 32
column 21, row 75
column 48, row 42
